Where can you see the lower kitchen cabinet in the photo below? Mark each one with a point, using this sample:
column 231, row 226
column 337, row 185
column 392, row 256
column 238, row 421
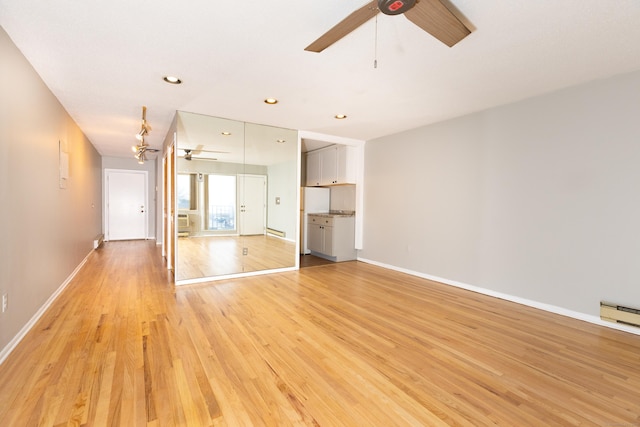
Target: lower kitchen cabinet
column 332, row 238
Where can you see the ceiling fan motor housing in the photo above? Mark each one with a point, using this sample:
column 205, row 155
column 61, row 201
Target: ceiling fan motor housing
column 395, row 7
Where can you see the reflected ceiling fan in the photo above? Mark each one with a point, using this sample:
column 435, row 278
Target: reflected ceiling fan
column 430, row 15
column 190, row 152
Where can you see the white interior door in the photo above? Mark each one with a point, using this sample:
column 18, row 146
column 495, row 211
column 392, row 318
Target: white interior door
column 252, row 193
column 126, row 202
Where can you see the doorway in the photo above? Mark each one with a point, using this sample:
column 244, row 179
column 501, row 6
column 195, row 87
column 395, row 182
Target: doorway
column 252, row 198
column 126, row 215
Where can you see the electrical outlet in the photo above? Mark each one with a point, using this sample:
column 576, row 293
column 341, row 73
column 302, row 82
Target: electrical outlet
column 5, row 302
column 245, row 251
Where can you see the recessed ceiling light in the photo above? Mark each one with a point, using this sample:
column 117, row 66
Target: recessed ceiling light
column 225, row 133
column 271, row 101
column 280, row 141
column 340, row 116
column 171, row 79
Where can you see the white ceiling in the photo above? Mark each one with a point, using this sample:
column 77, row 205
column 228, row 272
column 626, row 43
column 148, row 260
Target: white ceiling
column 104, row 60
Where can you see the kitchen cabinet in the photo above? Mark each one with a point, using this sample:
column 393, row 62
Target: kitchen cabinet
column 332, row 236
column 313, row 169
column 316, row 237
column 346, row 164
column 331, row 166
column 328, row 166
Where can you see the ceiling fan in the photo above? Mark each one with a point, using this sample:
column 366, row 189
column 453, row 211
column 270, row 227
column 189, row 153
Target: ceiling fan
column 189, row 152
column 430, row 15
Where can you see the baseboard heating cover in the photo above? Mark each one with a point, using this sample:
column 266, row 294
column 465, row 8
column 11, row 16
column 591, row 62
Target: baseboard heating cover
column 98, row 241
column 276, row 232
column 619, row 314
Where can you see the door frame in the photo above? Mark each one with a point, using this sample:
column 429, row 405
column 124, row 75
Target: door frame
column 168, row 206
column 105, row 191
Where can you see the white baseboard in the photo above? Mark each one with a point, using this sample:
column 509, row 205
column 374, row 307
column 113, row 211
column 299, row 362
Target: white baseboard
column 530, row 303
column 4, row 353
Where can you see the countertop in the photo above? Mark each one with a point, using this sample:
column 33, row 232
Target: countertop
column 334, row 214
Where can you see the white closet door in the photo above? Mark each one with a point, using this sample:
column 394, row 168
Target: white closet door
column 252, row 196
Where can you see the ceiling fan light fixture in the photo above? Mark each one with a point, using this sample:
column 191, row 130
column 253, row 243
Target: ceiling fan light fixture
column 172, row 80
column 432, row 16
column 395, row 7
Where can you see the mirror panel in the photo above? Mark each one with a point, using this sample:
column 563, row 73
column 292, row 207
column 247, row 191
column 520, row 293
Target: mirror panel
column 277, row 150
column 237, row 203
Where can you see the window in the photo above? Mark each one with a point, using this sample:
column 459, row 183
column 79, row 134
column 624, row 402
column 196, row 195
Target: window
column 221, row 202
column 186, row 191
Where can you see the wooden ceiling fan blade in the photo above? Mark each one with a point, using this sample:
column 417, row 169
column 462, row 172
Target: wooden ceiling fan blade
column 434, row 18
column 344, row 27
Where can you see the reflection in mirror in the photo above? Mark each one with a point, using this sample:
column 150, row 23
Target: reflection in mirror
column 237, row 195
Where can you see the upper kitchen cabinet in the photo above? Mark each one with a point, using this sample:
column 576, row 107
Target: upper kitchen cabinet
column 332, row 165
column 313, row 169
column 346, row 164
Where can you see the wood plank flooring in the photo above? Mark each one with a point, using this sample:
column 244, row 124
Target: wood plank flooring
column 208, row 256
column 346, row 344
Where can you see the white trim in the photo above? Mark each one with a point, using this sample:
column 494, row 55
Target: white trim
column 530, row 303
column 6, row 351
column 304, row 134
column 232, row 276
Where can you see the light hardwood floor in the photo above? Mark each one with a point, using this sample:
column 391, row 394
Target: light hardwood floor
column 209, row 256
column 345, row 344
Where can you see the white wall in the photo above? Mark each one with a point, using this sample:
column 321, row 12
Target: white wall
column 343, row 198
column 282, row 184
column 46, row 232
column 539, row 199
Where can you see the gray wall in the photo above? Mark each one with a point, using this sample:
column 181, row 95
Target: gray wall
column 539, row 199
column 152, row 166
column 46, row 231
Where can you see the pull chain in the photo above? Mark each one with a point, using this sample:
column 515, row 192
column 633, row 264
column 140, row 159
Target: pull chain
column 375, row 49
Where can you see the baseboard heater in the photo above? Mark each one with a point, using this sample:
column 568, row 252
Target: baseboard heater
column 97, row 242
column 619, row 314
column 276, row 232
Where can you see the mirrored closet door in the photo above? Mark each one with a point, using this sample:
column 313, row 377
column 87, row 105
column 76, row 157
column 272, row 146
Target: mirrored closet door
column 236, row 202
